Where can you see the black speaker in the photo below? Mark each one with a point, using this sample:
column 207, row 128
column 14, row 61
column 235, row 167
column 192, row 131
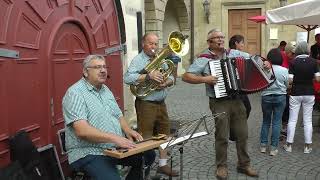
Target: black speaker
column 51, row 161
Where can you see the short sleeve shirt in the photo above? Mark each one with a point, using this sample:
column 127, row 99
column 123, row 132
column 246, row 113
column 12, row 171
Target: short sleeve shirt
column 99, row 108
column 303, row 68
column 200, row 66
column 236, row 53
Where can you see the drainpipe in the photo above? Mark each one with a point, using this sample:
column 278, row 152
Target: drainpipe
column 139, row 27
column 192, row 33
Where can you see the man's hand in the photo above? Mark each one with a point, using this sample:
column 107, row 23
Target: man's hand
column 156, row 76
column 210, row 80
column 162, row 85
column 166, row 83
column 123, row 142
column 133, row 135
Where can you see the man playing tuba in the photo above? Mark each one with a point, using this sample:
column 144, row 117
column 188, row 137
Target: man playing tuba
column 150, row 107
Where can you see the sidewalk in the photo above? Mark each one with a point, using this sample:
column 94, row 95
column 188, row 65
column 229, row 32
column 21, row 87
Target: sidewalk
column 187, row 102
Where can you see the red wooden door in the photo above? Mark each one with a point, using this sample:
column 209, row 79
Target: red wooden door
column 69, row 48
column 52, row 38
column 23, row 92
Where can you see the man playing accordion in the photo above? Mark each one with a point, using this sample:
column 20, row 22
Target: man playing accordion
column 234, row 110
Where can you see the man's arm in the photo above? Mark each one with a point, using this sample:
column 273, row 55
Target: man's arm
column 196, row 79
column 131, row 134
column 85, row 131
column 135, row 76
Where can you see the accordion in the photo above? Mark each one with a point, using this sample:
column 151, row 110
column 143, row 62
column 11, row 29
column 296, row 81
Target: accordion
column 239, row 75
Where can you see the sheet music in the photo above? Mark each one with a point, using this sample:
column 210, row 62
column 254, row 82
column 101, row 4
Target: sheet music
column 181, row 139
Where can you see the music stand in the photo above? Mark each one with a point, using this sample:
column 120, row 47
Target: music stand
column 193, row 128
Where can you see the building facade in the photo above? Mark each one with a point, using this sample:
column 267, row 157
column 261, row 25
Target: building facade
column 195, row 19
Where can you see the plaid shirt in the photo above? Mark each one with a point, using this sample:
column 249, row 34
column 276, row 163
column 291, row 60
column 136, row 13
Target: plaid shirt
column 99, row 108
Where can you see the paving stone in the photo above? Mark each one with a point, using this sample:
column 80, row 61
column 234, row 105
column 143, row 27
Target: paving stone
column 188, row 103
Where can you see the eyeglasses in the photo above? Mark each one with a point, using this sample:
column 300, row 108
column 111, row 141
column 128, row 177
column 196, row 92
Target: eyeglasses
column 216, row 37
column 98, row 67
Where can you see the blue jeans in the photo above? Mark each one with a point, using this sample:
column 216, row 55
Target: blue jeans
column 272, row 109
column 100, row 167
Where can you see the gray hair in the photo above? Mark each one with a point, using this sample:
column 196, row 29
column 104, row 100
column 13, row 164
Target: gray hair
column 88, row 59
column 213, row 31
column 302, row 48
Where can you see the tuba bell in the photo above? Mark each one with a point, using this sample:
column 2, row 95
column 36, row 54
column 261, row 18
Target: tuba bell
column 177, row 44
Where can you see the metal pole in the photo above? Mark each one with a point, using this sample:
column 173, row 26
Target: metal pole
column 139, row 27
column 181, row 162
column 192, row 32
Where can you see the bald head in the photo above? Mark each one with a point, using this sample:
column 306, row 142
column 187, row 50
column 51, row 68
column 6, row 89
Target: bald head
column 150, row 44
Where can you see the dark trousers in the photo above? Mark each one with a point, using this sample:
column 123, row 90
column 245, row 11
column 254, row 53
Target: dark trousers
column 235, row 120
column 101, row 167
column 246, row 102
column 285, row 115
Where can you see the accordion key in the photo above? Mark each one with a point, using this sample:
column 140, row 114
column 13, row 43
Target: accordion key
column 239, row 75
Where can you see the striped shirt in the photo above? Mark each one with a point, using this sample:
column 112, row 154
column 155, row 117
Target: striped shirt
column 99, row 108
column 131, row 76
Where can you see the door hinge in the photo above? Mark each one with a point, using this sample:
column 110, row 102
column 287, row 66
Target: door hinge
column 52, row 108
column 9, row 53
column 121, row 47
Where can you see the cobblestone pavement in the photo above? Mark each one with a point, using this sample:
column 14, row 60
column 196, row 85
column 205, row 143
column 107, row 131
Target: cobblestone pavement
column 187, row 102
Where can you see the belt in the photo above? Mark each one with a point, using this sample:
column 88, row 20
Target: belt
column 153, row 102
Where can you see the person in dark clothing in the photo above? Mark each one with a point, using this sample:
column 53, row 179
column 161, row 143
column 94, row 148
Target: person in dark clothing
column 282, row 45
column 287, row 56
column 315, row 49
column 237, row 42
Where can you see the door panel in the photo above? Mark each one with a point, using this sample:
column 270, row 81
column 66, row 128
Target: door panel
column 66, row 70
column 52, row 38
column 239, row 24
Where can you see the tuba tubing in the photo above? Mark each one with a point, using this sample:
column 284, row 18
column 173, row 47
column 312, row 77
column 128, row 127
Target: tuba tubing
column 178, row 44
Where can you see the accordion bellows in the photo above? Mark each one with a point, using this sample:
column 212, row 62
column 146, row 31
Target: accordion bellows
column 239, row 75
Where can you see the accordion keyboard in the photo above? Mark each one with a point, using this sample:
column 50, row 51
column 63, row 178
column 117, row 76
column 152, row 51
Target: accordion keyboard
column 219, row 87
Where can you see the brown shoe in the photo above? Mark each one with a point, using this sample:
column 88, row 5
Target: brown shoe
column 167, row 171
column 249, row 171
column 222, row 173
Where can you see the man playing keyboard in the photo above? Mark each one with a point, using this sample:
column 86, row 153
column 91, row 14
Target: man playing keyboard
column 94, row 123
column 235, row 113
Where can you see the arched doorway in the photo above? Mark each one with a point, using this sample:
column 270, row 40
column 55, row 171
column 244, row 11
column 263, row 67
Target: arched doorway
column 69, row 48
column 176, row 19
column 52, row 39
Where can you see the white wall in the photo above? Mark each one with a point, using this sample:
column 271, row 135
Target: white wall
column 129, row 12
column 170, row 22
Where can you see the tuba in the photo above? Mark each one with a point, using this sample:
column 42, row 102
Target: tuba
column 178, row 44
